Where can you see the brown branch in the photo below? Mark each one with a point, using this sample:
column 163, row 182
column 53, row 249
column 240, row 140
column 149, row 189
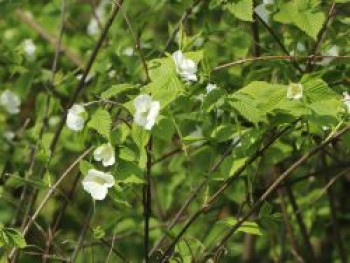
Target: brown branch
column 319, row 38
column 267, row 58
column 332, row 204
column 147, row 198
column 279, row 42
column 303, row 230
column 214, row 197
column 274, row 185
column 255, row 32
column 192, row 197
column 87, row 69
column 53, row 40
column 286, row 219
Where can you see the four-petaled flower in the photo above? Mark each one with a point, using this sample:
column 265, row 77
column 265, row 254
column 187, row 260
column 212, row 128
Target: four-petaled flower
column 295, row 91
column 185, row 67
column 96, row 183
column 29, row 47
column 10, row 101
column 146, row 111
column 347, row 101
column 210, row 87
column 76, row 117
column 106, row 154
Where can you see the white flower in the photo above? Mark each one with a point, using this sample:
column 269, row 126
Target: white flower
column 267, row 2
column 106, row 154
column 347, row 101
column 75, row 117
column 128, row 51
column 146, row 111
column 93, row 27
column 9, row 135
column 295, row 91
column 29, row 47
column 210, row 87
column 185, row 67
column 96, row 183
column 10, row 101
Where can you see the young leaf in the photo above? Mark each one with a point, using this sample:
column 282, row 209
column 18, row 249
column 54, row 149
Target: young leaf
column 101, row 121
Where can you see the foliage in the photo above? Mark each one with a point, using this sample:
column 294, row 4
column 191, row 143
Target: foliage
column 252, row 155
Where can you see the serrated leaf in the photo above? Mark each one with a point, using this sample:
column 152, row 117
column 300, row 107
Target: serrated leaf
column 247, row 226
column 317, row 90
column 246, row 107
column 85, row 166
column 211, row 98
column 127, row 169
column 101, row 122
column 116, row 90
column 302, row 14
column 242, row 9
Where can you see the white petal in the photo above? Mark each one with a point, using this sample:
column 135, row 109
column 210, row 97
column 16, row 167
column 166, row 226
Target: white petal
column 142, row 102
column 98, row 153
column 10, row 101
column 109, row 160
column 210, row 87
column 75, row 118
column 97, row 192
column 177, row 57
column 295, row 91
column 140, row 118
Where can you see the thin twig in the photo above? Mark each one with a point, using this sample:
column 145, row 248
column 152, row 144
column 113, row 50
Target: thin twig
column 319, row 38
column 214, row 197
column 255, row 32
column 136, row 42
column 332, row 204
column 26, row 18
column 193, row 196
column 267, row 58
column 299, row 219
column 147, row 198
column 278, row 41
column 275, row 184
column 82, row 234
column 87, row 69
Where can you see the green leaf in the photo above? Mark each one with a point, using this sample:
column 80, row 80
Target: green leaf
column 116, row 90
column 85, row 166
column 247, row 226
column 12, row 238
column 101, row 122
column 246, row 107
column 317, row 90
column 242, row 9
column 303, row 14
column 165, row 89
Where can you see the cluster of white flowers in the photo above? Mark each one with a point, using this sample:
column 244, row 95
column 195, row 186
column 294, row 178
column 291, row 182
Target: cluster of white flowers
column 295, row 91
column 146, row 111
column 185, row 67
column 10, row 101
